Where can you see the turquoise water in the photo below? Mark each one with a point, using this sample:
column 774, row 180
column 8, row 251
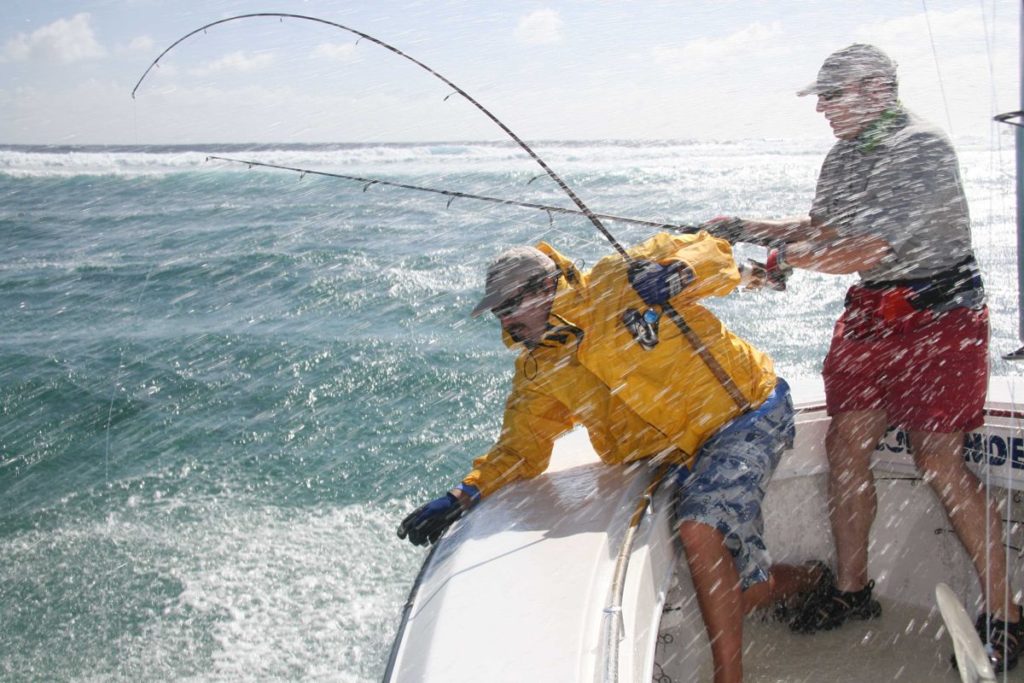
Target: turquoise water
column 221, row 388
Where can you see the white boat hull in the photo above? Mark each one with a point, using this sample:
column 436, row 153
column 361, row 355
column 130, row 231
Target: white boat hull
column 520, row 590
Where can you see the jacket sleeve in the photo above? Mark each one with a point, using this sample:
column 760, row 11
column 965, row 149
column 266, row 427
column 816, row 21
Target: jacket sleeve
column 709, row 259
column 533, row 420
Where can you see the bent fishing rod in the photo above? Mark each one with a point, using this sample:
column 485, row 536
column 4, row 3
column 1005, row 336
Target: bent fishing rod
column 716, row 369
column 455, row 194
column 584, row 209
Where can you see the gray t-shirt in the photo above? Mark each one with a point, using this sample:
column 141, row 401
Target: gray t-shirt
column 899, row 181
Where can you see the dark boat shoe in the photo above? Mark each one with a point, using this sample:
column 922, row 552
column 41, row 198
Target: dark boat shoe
column 1003, row 641
column 826, row 607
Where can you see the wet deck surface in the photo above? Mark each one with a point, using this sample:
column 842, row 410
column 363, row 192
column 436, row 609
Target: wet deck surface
column 904, row 644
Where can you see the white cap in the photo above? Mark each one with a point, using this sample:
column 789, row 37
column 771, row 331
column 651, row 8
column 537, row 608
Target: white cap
column 510, row 272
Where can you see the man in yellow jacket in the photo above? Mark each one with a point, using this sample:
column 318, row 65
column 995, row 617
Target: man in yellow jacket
column 628, row 352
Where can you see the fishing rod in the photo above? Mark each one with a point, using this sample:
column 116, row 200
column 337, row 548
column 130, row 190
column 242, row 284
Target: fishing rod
column 455, row 194
column 726, row 382
column 584, row 209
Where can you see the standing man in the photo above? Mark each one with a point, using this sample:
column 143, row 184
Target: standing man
column 911, row 348
column 599, row 349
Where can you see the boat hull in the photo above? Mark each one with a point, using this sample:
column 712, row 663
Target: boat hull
column 521, row 588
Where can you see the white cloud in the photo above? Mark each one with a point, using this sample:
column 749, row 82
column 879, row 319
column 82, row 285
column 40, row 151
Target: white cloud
column 340, row 52
column 235, row 61
column 138, row 45
column 141, row 43
column 541, row 27
column 705, row 52
column 939, row 38
column 64, row 41
column 964, row 25
column 951, row 67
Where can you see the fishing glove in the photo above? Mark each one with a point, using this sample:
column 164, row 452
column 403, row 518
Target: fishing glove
column 426, row 523
column 728, row 228
column 655, row 283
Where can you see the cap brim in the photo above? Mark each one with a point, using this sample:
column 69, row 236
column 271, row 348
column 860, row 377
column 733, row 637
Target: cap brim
column 486, row 304
column 810, row 89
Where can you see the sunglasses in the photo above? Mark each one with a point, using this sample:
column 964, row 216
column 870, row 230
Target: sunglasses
column 512, row 304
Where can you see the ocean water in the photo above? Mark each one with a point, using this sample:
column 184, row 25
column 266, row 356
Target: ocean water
column 221, row 388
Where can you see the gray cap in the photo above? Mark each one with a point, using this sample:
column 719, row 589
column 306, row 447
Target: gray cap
column 510, row 272
column 851, row 64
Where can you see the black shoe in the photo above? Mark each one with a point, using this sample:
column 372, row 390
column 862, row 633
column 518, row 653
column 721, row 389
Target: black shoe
column 776, row 613
column 1002, row 640
column 826, row 607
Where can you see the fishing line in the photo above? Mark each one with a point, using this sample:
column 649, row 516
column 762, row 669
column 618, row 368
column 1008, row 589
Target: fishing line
column 584, row 209
column 996, row 161
column 117, row 379
column 721, row 376
column 989, row 600
column 1008, row 593
column 938, row 70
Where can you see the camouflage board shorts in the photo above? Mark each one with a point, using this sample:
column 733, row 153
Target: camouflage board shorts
column 726, row 486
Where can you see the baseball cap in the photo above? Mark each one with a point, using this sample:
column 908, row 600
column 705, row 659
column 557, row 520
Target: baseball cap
column 510, row 271
column 851, row 64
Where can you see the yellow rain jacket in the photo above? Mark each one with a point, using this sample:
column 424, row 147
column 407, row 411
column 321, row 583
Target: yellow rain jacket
column 589, row 370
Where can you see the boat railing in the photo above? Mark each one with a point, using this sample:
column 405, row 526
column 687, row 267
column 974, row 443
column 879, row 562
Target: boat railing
column 613, row 625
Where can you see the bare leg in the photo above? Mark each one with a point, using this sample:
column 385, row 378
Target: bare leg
column 784, row 582
column 723, row 604
column 940, row 459
column 717, row 584
column 850, row 441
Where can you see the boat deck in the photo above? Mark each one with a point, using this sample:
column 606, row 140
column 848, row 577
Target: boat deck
column 907, row 644
column 913, row 551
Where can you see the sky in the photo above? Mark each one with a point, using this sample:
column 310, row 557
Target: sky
column 559, row 70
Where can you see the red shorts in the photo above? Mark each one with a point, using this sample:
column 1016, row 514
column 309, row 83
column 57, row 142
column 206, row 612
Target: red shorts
column 927, row 370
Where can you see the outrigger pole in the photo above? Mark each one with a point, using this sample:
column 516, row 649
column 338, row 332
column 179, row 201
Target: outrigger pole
column 454, row 194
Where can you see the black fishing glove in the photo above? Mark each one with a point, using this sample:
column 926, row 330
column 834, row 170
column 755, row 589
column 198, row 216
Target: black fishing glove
column 728, row 228
column 655, row 283
column 426, row 523
column 733, row 230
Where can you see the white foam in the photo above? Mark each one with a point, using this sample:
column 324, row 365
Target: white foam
column 266, row 592
column 449, row 157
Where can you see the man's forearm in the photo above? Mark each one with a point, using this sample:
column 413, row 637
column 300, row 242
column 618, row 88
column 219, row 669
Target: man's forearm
column 795, row 229
column 837, row 256
column 818, row 247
